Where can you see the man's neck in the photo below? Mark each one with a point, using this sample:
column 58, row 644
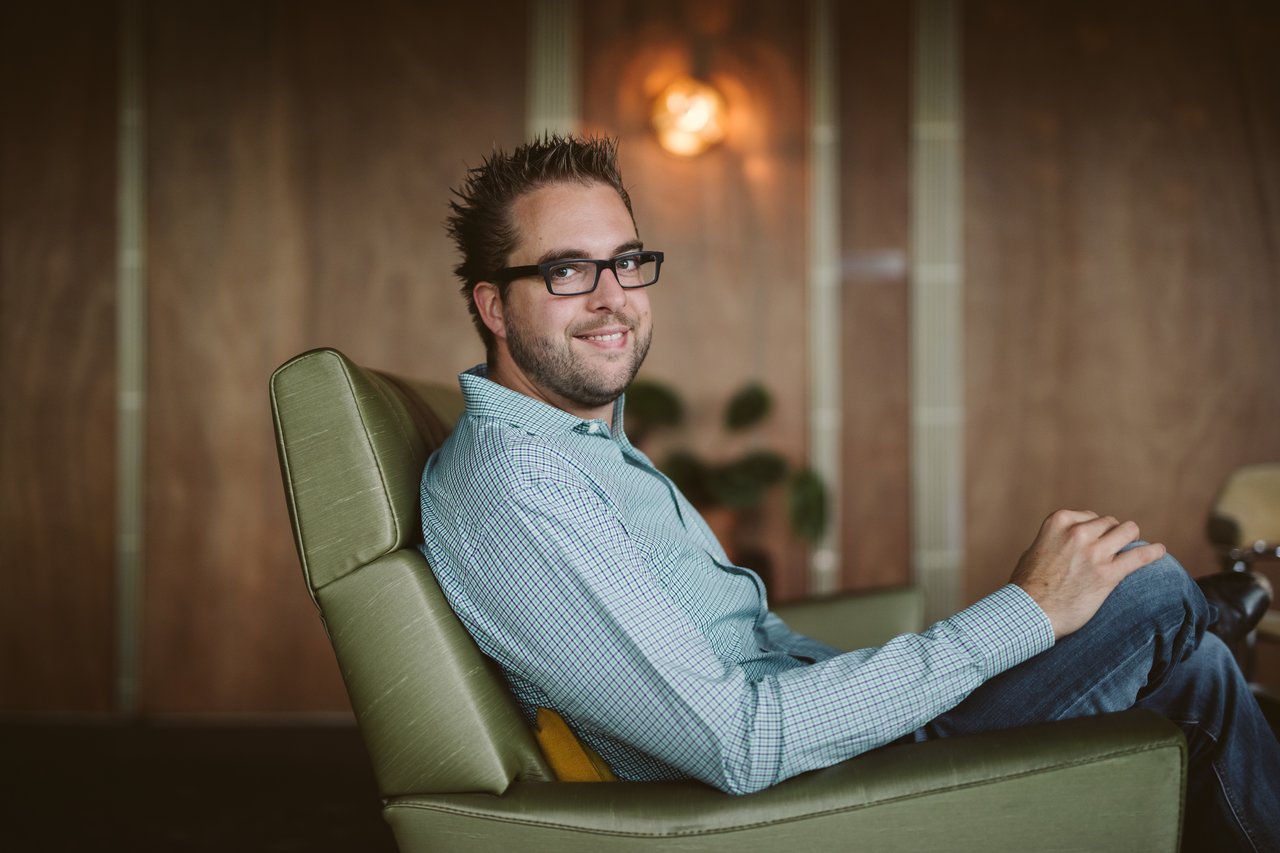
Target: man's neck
column 508, row 375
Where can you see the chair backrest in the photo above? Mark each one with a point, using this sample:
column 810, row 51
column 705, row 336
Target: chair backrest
column 435, row 714
column 1247, row 508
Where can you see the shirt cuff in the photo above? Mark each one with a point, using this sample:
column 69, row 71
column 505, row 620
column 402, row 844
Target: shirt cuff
column 1004, row 629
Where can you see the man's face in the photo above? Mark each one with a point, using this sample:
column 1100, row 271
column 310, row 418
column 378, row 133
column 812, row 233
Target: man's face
column 578, row 353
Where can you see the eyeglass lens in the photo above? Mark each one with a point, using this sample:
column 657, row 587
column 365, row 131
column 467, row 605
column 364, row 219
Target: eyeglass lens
column 636, row 270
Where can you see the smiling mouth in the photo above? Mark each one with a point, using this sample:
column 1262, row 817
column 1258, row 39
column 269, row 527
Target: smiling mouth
column 608, row 332
column 613, row 336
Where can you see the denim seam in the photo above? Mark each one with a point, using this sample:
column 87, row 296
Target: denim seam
column 1226, row 790
column 1235, row 811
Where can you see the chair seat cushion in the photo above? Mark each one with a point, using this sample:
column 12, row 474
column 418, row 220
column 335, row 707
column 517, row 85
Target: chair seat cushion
column 1096, row 783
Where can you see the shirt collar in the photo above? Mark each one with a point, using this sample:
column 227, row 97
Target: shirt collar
column 487, row 399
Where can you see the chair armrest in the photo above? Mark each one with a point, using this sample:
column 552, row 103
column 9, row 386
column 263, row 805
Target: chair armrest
column 857, row 620
column 1110, row 782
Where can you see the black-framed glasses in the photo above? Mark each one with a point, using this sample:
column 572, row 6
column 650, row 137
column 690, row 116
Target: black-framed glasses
column 574, row 276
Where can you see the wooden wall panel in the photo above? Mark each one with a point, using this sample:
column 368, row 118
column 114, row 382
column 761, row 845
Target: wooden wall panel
column 731, row 305
column 1121, row 265
column 301, row 156
column 57, row 356
column 1122, row 275
column 875, row 103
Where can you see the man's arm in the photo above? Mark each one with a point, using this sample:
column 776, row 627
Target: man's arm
column 579, row 614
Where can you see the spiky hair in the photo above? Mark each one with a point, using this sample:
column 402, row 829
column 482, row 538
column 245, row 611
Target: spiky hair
column 481, row 224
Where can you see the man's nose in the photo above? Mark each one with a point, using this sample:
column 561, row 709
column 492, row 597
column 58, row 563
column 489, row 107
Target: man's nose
column 609, row 293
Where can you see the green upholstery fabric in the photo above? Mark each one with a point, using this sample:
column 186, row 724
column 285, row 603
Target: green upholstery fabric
column 461, row 770
column 857, row 621
column 1100, row 783
column 433, row 713
column 351, row 501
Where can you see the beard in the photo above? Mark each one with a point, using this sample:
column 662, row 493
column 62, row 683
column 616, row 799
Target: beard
column 552, row 363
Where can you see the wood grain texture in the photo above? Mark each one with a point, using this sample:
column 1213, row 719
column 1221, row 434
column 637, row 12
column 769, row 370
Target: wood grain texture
column 874, row 87
column 731, row 305
column 1122, row 265
column 301, row 156
column 57, row 356
column 1122, row 277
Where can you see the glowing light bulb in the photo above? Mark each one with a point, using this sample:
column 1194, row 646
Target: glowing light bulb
column 689, row 117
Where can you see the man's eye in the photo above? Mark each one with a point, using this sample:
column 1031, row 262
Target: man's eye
column 627, row 264
column 564, row 272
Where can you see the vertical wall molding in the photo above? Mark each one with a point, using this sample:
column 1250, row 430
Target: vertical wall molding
column 937, row 309
column 554, row 95
column 824, row 288
column 130, row 356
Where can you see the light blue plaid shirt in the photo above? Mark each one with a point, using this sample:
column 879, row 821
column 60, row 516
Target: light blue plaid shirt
column 603, row 595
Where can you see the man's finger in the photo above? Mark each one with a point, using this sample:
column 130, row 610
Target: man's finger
column 1066, row 518
column 1135, row 558
column 1119, row 536
column 1093, row 529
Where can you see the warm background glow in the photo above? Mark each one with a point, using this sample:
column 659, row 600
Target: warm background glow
column 689, row 117
column 1120, row 300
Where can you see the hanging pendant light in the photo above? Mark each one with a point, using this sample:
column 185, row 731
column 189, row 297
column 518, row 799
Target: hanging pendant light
column 689, row 117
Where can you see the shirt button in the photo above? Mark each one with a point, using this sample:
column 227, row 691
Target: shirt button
column 593, row 427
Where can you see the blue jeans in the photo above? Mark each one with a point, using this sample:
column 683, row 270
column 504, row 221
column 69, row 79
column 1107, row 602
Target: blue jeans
column 1146, row 647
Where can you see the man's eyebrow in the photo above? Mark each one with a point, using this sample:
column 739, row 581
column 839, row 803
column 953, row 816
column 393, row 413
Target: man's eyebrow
column 561, row 255
column 567, row 254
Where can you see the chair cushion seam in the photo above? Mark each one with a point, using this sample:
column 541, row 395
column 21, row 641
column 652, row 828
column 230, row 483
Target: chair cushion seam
column 377, row 460
column 397, row 528
column 1095, row 759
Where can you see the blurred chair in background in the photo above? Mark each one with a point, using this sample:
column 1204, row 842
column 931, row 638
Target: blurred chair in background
column 1244, row 527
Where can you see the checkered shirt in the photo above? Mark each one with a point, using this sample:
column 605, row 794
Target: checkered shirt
column 603, row 595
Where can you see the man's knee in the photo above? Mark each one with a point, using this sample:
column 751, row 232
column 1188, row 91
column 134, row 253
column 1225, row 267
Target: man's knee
column 1164, row 592
column 1163, row 578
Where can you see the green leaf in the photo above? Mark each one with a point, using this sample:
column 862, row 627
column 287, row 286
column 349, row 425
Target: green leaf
column 748, row 407
column 808, row 506
column 650, row 405
column 729, row 488
column 763, row 466
column 742, row 484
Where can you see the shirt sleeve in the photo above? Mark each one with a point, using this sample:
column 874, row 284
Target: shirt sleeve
column 555, row 590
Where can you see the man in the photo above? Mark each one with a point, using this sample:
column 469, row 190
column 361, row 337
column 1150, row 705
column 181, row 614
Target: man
column 603, row 595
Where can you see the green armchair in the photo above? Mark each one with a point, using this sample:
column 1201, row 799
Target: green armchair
column 460, row 770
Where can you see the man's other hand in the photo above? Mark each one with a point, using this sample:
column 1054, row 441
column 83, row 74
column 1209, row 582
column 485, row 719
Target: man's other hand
column 1075, row 562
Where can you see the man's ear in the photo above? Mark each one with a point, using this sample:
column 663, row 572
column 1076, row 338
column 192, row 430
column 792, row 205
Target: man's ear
column 488, row 301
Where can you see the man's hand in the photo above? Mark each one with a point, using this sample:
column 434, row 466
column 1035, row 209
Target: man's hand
column 1075, row 562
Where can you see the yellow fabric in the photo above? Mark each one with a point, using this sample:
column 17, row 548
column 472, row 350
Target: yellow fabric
column 570, row 759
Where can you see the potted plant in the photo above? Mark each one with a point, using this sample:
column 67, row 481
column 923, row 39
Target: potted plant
column 730, row 492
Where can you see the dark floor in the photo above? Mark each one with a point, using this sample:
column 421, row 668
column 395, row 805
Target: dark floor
column 183, row 787
column 172, row 787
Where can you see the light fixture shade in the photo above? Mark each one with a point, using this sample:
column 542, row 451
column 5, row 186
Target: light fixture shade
column 689, row 117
